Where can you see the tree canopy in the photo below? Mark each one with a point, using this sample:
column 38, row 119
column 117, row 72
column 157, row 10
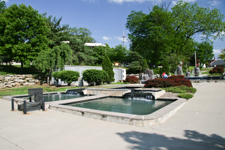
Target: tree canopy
column 162, row 33
column 23, row 33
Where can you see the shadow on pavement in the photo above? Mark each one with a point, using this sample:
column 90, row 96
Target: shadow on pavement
column 192, row 140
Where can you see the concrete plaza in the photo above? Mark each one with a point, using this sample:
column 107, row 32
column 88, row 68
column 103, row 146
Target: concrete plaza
column 199, row 124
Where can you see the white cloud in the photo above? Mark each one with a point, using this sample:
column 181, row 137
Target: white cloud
column 214, row 3
column 174, row 2
column 106, row 38
column 140, row 1
column 216, row 51
column 189, row 1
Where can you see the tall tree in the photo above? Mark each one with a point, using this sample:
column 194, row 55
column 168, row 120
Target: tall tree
column 23, row 33
column 222, row 54
column 57, row 32
column 204, row 52
column 81, row 54
column 162, row 33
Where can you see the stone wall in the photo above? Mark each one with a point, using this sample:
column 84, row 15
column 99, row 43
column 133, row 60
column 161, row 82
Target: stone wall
column 10, row 81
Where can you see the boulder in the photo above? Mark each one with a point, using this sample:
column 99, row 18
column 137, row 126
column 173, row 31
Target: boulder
column 29, row 76
column 17, row 84
column 1, row 78
column 20, row 81
column 8, row 86
column 7, row 78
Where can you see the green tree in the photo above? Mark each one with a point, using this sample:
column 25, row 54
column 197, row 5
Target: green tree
column 162, row 33
column 144, row 65
column 2, row 7
column 81, row 54
column 222, row 54
column 57, row 32
column 117, row 54
column 107, row 66
column 23, row 33
column 204, row 52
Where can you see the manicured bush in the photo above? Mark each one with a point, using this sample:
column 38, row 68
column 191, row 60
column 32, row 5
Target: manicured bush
column 217, row 70
column 131, row 79
column 180, row 80
column 174, row 77
column 159, row 83
column 94, row 76
column 107, row 66
column 171, row 81
column 185, row 95
column 68, row 76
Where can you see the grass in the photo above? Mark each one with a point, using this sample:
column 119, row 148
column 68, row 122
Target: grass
column 15, row 69
column 24, row 90
column 185, row 92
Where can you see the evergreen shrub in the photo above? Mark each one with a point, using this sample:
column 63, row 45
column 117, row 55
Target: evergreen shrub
column 94, row 76
column 107, row 66
column 131, row 79
column 68, row 76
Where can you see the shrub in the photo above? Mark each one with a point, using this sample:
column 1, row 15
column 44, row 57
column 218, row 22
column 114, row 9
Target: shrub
column 180, row 80
column 181, row 89
column 173, row 81
column 174, row 77
column 185, row 95
column 107, row 66
column 131, row 79
column 159, row 83
column 68, row 76
column 94, row 76
column 217, row 70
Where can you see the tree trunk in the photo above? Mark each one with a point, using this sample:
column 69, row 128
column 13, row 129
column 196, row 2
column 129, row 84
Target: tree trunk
column 21, row 69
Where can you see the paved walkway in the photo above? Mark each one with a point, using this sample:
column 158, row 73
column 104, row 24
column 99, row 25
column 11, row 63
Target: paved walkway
column 199, row 124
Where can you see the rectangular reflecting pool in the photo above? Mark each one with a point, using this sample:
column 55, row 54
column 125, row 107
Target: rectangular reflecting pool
column 124, row 105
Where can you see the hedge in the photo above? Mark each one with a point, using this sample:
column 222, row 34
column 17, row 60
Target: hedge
column 131, row 79
column 68, row 76
column 94, row 76
column 171, row 81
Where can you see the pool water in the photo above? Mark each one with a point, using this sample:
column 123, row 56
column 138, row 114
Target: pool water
column 58, row 97
column 124, row 105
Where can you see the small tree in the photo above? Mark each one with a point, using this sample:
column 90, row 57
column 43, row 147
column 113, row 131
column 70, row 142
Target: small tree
column 68, row 76
column 107, row 66
column 144, row 65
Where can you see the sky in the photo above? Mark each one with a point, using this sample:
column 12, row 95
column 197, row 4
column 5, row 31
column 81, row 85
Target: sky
column 106, row 19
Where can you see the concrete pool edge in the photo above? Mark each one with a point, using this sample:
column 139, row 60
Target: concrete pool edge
column 157, row 117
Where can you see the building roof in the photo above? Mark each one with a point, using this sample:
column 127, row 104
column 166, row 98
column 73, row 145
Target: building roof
column 218, row 62
column 94, row 44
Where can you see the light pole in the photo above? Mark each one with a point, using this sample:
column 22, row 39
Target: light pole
column 195, row 59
